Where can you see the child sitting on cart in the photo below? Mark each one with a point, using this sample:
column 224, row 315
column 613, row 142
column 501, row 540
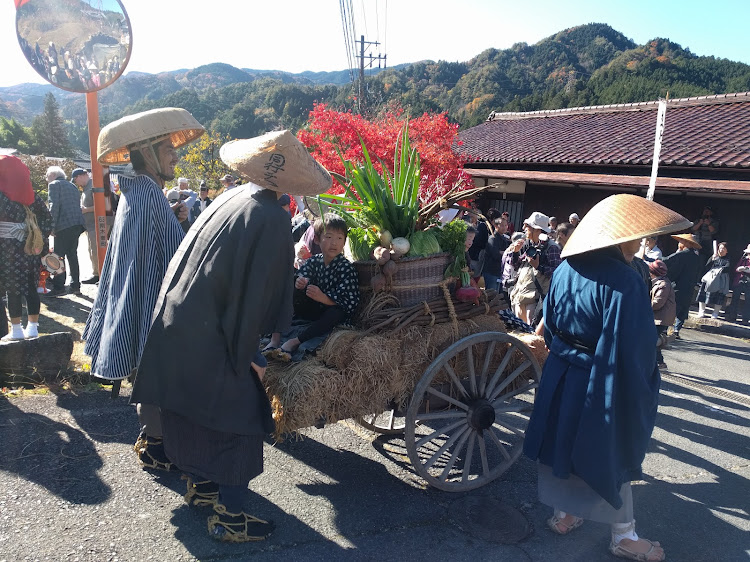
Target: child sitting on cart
column 326, row 290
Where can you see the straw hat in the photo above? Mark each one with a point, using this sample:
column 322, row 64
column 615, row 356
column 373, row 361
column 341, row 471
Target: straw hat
column 277, row 161
column 622, row 218
column 689, row 240
column 118, row 138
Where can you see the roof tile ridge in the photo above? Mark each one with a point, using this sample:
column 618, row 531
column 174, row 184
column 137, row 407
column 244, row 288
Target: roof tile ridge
column 736, row 97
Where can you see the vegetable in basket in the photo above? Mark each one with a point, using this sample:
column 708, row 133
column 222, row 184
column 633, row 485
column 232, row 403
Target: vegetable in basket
column 452, row 239
column 360, row 243
column 423, row 243
column 389, row 202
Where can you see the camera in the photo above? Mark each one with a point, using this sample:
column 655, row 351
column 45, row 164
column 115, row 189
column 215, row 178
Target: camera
column 531, row 253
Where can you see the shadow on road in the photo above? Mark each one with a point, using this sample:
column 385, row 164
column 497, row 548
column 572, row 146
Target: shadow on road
column 724, row 350
column 191, row 530
column 51, row 454
column 364, row 496
column 708, row 506
column 104, row 420
column 66, row 306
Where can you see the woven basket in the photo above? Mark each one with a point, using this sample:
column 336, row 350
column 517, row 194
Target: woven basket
column 416, row 279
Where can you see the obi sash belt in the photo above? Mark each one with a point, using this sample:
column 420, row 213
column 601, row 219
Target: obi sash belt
column 15, row 230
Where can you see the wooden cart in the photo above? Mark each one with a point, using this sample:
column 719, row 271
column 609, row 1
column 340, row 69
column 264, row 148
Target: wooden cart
column 464, row 425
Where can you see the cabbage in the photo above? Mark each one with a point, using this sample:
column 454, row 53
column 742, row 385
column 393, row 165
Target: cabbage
column 359, row 242
column 423, row 243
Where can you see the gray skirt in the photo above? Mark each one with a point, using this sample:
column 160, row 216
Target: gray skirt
column 227, row 459
column 572, row 495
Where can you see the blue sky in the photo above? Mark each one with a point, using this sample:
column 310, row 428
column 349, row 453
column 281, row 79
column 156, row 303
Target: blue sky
column 297, row 35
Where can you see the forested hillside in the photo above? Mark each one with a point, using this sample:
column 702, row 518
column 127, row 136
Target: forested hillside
column 586, row 65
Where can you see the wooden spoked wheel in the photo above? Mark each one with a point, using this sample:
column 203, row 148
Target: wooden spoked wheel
column 468, row 415
column 390, row 422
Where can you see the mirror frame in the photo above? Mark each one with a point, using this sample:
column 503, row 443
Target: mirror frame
column 123, row 64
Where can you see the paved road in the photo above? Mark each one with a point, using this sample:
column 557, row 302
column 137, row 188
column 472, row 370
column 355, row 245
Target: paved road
column 70, row 488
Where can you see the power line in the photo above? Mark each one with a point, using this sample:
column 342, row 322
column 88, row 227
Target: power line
column 342, row 10
column 364, row 16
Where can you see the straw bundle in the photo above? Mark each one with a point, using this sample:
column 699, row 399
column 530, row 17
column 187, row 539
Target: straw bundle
column 357, row 374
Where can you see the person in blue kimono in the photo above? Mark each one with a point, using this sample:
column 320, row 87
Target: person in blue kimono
column 596, row 404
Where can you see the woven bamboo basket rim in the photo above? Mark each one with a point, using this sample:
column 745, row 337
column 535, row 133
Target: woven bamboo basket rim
column 403, row 259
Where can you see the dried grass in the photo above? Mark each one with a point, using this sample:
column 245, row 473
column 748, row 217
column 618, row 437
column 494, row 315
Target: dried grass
column 356, row 374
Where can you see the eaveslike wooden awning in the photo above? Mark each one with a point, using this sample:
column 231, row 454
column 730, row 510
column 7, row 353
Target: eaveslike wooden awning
column 608, row 180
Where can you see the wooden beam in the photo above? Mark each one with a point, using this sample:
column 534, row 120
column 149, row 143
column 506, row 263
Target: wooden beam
column 688, row 184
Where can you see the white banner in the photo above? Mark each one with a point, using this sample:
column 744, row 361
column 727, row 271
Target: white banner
column 660, row 119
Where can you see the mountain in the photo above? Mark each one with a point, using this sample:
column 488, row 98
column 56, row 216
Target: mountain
column 584, row 65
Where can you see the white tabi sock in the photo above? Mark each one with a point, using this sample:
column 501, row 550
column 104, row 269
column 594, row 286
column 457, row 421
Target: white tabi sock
column 623, row 531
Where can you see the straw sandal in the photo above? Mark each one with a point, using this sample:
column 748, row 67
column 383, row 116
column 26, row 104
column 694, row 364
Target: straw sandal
column 554, row 521
column 269, row 350
column 279, row 354
column 150, row 451
column 201, row 494
column 622, row 552
column 237, row 527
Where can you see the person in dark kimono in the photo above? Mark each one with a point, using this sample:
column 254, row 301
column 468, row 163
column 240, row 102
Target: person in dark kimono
column 595, row 407
column 683, row 268
column 19, row 271
column 229, row 282
column 145, row 236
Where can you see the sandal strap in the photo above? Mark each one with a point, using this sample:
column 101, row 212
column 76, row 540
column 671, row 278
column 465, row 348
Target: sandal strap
column 144, row 456
column 618, row 550
column 554, row 521
column 236, row 531
column 194, row 496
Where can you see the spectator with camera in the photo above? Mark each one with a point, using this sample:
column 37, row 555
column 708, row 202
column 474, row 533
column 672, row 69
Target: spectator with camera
column 706, row 229
column 537, row 260
column 510, row 271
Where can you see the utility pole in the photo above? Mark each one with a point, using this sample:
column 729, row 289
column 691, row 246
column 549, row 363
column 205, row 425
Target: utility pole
column 362, row 90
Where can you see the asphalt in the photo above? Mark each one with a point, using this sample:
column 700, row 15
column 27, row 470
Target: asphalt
column 70, row 488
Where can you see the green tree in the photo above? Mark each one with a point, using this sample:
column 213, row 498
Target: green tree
column 200, row 160
column 15, row 135
column 48, row 130
column 38, row 169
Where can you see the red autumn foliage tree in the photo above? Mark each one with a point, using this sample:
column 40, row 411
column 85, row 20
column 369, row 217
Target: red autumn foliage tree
column 432, row 135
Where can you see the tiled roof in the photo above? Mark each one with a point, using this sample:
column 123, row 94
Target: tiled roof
column 709, row 131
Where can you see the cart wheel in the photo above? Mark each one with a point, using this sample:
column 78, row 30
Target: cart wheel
column 467, row 417
column 389, row 422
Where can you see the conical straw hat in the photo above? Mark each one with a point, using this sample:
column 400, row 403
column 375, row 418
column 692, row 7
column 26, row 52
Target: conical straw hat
column 154, row 125
column 622, row 218
column 277, row 161
column 689, row 240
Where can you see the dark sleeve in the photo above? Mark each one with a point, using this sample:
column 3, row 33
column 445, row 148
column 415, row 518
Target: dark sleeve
column 553, row 260
column 54, row 202
column 306, row 269
column 43, row 216
column 346, row 292
column 261, row 266
column 674, row 266
column 493, row 248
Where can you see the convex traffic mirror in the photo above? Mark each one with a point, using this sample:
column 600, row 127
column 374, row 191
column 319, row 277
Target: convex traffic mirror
column 76, row 45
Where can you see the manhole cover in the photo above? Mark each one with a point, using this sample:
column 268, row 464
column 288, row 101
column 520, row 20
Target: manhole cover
column 489, row 519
